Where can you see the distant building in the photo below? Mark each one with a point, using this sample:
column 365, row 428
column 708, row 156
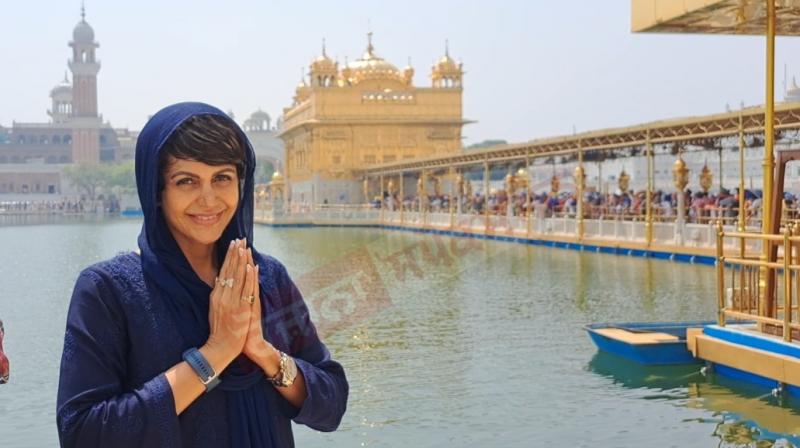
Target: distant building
column 364, row 113
column 263, row 135
column 75, row 133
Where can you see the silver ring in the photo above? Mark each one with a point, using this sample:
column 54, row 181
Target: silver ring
column 225, row 282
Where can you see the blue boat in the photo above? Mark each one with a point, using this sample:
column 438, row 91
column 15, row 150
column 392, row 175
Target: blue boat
column 650, row 343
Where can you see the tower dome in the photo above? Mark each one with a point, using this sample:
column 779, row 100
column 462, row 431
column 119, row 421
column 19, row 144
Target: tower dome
column 83, row 32
column 323, row 70
column 446, row 73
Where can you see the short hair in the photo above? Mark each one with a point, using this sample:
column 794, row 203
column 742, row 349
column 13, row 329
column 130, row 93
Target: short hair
column 209, row 139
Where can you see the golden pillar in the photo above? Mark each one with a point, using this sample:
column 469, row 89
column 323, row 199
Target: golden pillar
column 421, row 194
column 401, row 196
column 648, row 226
column 680, row 178
column 555, row 185
column 486, row 195
column 768, row 304
column 508, row 181
column 453, row 181
column 390, row 191
column 365, row 187
column 579, row 184
column 528, row 193
column 742, row 211
column 383, row 200
column 459, row 192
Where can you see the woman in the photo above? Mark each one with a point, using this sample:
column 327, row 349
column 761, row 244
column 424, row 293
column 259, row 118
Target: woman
column 198, row 340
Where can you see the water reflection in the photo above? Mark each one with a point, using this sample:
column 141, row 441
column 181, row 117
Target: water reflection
column 743, row 415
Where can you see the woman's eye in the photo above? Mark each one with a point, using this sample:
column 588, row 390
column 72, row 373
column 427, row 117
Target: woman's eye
column 185, row 181
column 223, row 178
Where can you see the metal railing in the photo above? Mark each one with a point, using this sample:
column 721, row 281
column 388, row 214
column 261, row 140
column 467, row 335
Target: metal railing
column 744, row 276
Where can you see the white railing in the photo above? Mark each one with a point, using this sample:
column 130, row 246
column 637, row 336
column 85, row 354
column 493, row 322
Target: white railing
column 601, row 230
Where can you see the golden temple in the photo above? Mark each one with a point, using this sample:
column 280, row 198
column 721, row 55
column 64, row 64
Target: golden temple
column 345, row 119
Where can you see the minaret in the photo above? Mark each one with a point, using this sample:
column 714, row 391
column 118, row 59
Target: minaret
column 446, row 73
column 85, row 119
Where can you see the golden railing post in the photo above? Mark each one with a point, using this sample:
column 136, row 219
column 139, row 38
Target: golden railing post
column 720, row 276
column 649, row 195
column 787, row 284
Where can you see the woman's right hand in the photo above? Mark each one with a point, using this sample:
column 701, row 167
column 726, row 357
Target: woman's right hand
column 228, row 315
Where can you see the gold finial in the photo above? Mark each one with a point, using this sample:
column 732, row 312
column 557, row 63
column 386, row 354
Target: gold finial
column 324, row 54
column 706, row 178
column 624, row 181
column 370, row 48
column 447, row 47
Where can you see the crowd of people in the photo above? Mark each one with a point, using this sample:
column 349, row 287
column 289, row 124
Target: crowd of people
column 699, row 206
column 62, row 206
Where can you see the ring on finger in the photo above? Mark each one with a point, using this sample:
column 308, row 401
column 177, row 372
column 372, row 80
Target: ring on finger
column 251, row 299
column 225, row 282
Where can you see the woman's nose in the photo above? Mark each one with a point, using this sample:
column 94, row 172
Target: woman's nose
column 207, row 195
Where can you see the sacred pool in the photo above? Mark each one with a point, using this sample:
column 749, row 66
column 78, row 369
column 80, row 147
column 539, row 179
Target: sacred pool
column 446, row 341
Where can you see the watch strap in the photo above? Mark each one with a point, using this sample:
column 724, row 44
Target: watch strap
column 202, row 368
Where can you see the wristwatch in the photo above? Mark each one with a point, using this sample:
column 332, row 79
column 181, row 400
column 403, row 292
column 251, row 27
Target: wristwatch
column 286, row 373
column 202, row 368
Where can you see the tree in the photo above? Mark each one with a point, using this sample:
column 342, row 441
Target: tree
column 89, row 177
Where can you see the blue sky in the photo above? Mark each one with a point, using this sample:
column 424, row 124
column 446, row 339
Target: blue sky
column 534, row 68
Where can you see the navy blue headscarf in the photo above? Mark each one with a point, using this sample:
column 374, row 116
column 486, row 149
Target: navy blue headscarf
column 169, row 275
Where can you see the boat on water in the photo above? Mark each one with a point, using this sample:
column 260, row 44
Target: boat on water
column 649, row 343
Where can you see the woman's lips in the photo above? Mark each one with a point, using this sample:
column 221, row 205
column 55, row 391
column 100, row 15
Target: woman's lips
column 206, row 219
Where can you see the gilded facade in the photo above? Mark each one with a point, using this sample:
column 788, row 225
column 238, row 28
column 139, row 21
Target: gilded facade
column 366, row 112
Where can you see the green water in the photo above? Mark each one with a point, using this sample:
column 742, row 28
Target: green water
column 446, row 341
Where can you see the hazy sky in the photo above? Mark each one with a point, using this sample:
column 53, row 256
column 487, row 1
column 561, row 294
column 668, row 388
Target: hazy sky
column 534, row 68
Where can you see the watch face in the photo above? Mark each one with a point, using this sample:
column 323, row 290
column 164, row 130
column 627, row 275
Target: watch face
column 290, row 372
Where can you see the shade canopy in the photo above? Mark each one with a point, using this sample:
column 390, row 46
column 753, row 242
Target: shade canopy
column 747, row 17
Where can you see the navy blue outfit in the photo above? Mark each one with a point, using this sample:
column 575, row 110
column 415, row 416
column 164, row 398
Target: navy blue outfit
column 131, row 317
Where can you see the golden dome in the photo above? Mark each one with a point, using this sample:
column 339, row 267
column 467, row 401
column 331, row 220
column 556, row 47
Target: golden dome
column 371, row 62
column 323, row 62
column 372, row 66
column 446, row 64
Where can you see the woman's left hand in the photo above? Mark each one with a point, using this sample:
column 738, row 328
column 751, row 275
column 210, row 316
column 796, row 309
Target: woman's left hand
column 258, row 349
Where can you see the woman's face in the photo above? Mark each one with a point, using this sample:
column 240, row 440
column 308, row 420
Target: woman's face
column 199, row 200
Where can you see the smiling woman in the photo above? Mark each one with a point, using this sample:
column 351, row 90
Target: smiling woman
column 200, row 168
column 199, row 324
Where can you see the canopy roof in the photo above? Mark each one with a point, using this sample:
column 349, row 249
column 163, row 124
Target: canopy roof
column 713, row 16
